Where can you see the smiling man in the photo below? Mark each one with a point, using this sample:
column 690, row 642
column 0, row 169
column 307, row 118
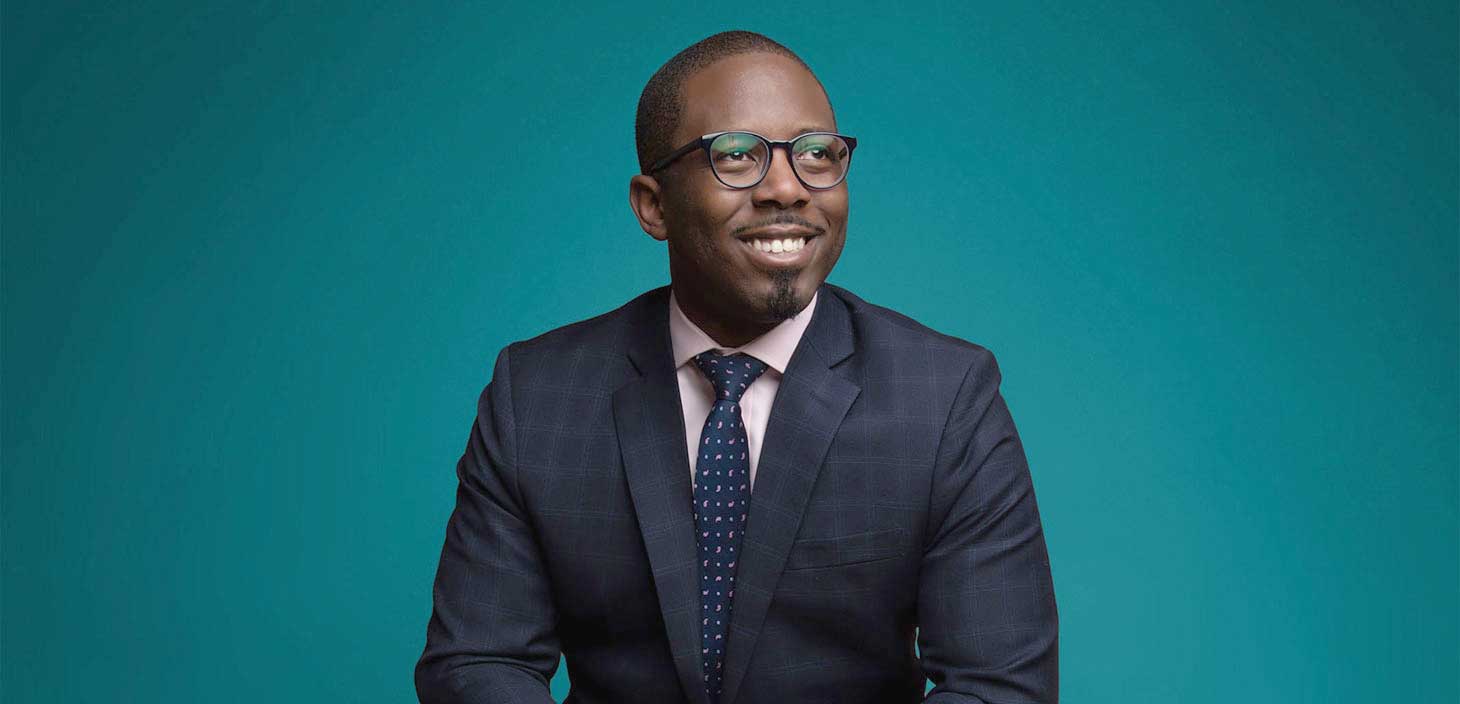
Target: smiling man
column 750, row 485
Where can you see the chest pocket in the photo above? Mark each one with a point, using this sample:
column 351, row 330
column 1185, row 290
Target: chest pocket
column 846, row 549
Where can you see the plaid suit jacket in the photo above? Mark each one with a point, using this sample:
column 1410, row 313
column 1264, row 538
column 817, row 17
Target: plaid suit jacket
column 893, row 505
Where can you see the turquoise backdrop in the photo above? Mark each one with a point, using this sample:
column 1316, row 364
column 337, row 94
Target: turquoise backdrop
column 258, row 259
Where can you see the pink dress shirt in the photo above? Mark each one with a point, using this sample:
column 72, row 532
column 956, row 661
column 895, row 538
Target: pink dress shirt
column 696, row 394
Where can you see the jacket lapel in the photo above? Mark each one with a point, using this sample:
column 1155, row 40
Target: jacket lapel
column 808, row 410
column 650, row 423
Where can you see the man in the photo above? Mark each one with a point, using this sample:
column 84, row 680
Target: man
column 750, row 485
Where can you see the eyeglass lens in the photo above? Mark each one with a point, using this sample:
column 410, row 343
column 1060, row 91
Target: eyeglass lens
column 740, row 159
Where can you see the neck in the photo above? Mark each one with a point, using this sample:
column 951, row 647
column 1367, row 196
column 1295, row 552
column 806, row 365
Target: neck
column 726, row 331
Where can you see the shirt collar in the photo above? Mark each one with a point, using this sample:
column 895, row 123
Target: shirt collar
column 775, row 347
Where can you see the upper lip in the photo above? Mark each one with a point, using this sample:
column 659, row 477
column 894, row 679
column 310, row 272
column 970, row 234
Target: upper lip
column 776, row 232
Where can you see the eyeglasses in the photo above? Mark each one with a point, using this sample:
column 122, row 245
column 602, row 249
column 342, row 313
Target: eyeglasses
column 742, row 159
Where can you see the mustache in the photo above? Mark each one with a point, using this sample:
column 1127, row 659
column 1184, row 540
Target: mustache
column 783, row 219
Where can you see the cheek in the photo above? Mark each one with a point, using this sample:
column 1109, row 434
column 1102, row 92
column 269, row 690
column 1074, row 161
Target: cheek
column 697, row 234
column 719, row 209
column 702, row 214
column 834, row 209
column 836, row 206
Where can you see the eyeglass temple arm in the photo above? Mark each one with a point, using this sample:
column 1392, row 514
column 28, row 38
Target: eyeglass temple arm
column 674, row 155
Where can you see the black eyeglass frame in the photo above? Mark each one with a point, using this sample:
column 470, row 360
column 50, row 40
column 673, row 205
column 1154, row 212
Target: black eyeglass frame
column 704, row 142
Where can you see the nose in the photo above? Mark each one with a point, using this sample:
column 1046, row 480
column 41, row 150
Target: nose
column 780, row 187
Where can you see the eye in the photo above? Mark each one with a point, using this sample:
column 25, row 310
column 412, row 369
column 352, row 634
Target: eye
column 818, row 148
column 738, row 155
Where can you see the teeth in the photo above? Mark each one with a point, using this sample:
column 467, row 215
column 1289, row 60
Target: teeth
column 793, row 244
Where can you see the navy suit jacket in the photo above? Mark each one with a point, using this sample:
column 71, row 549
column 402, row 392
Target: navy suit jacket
column 892, row 505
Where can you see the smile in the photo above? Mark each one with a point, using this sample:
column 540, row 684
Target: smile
column 786, row 251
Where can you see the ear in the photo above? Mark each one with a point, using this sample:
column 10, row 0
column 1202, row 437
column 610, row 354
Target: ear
column 645, row 197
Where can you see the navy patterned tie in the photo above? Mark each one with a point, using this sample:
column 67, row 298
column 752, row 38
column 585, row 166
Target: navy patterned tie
column 722, row 496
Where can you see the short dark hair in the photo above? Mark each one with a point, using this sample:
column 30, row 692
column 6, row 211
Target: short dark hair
column 661, row 103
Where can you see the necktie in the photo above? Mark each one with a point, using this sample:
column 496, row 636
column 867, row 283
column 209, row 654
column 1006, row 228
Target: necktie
column 722, row 496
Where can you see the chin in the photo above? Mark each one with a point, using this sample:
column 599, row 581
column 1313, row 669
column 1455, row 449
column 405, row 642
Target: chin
column 786, row 297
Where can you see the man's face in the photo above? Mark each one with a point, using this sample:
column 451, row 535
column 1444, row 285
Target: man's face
column 712, row 260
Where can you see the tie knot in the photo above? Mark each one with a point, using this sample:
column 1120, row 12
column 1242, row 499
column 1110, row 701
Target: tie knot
column 730, row 374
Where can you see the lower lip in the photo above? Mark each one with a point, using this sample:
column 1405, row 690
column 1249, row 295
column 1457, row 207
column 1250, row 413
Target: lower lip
column 782, row 259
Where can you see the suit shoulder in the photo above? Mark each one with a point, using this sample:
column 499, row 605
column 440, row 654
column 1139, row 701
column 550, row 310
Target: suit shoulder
column 600, row 338
column 882, row 325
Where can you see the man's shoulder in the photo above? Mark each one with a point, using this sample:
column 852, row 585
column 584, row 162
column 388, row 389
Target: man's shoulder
column 883, row 330
column 586, row 351
column 610, row 329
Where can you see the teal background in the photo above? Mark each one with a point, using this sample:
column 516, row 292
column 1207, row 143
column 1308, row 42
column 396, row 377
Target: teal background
column 258, row 260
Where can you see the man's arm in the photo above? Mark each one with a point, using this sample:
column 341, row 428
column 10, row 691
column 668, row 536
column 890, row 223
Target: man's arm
column 988, row 627
column 491, row 636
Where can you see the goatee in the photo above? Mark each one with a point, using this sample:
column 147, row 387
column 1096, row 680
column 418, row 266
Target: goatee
column 782, row 304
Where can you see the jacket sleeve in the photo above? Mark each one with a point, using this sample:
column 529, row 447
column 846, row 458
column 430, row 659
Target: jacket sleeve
column 988, row 625
column 491, row 636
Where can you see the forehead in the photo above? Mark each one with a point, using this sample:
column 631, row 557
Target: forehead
column 765, row 93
